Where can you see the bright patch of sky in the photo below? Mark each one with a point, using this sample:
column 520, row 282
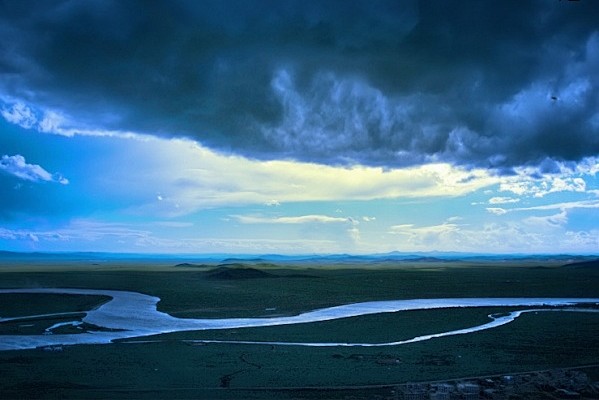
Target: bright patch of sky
column 147, row 194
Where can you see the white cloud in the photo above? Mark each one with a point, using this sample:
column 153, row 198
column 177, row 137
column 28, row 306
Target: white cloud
column 565, row 181
column 19, row 114
column 51, row 121
column 423, row 238
column 354, row 234
column 30, row 236
column 588, row 166
column 233, row 245
column 173, row 224
column 272, row 203
column 402, row 228
column 303, row 219
column 424, row 235
column 17, row 166
column 503, row 200
column 533, row 235
column 549, row 221
column 504, row 237
column 497, row 210
column 583, row 240
column 410, row 229
column 555, row 206
column 100, row 236
column 368, row 219
column 561, row 206
column 198, row 178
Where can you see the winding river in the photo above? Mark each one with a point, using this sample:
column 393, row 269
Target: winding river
column 131, row 315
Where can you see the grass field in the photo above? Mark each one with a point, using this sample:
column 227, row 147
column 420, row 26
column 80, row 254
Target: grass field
column 177, row 369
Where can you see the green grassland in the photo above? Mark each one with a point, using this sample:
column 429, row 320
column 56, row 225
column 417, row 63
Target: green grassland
column 363, row 329
column 23, row 304
column 175, row 368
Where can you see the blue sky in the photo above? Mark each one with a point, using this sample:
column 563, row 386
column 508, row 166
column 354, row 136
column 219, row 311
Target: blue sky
column 286, row 127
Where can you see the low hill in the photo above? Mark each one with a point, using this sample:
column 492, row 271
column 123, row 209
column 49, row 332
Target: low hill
column 237, row 273
column 189, row 265
column 583, row 264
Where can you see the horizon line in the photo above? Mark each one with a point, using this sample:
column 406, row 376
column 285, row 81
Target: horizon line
column 438, row 253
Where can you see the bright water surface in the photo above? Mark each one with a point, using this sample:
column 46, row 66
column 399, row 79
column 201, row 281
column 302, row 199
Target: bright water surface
column 133, row 314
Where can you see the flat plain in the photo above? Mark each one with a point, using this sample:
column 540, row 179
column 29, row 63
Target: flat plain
column 174, row 366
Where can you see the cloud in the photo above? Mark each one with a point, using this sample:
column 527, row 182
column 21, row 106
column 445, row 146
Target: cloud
column 557, row 206
column 583, row 240
column 387, row 84
column 336, row 119
column 549, row 221
column 532, row 235
column 17, row 166
column 354, row 234
column 303, row 219
column 198, row 178
column 90, row 235
column 410, row 229
column 497, row 210
column 503, row 200
column 19, row 114
column 173, row 224
column 50, row 121
column 272, row 203
column 433, row 236
column 542, row 186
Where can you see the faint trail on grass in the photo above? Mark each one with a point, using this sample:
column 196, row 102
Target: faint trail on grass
column 243, row 358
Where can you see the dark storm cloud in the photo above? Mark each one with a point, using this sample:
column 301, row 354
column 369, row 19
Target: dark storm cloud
column 489, row 84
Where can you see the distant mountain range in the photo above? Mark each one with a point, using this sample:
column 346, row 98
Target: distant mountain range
column 395, row 256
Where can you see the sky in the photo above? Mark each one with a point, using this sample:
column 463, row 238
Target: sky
column 299, row 127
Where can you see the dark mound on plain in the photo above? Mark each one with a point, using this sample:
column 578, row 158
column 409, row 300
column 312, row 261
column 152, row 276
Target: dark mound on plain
column 236, row 273
column 583, row 264
column 189, row 265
